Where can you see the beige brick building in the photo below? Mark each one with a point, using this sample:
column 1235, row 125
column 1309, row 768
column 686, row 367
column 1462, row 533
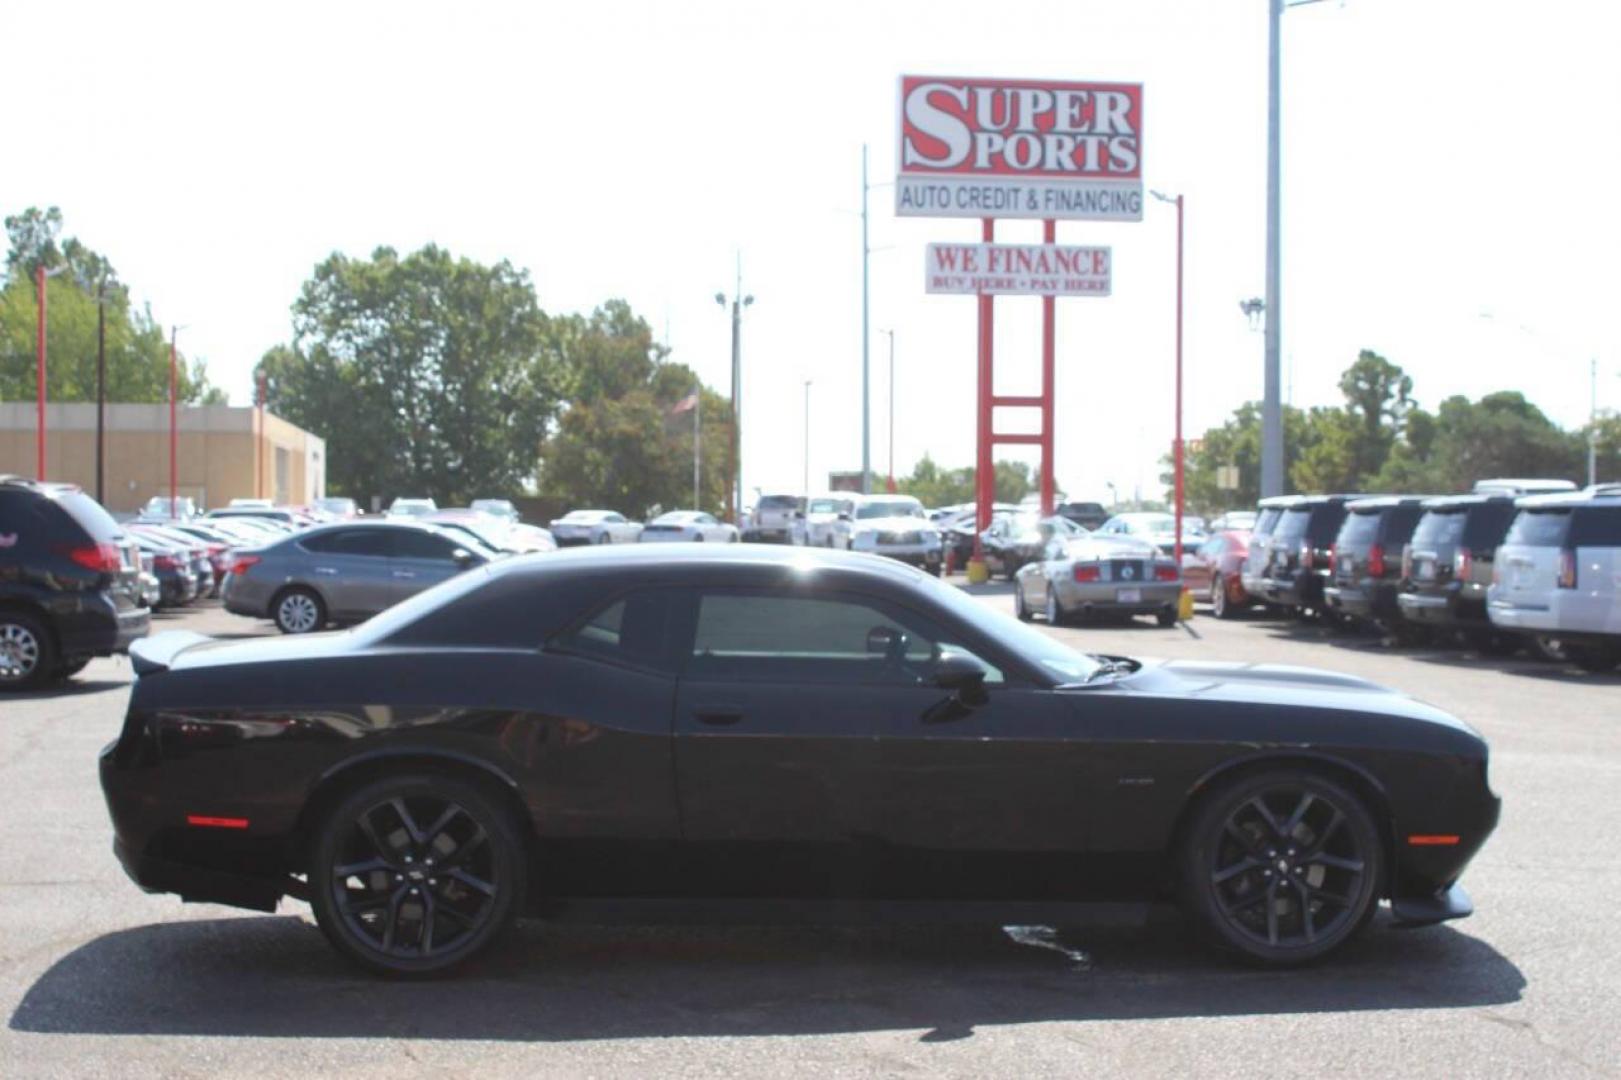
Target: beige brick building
column 222, row 453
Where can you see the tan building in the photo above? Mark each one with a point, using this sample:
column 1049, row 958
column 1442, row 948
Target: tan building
column 222, row 454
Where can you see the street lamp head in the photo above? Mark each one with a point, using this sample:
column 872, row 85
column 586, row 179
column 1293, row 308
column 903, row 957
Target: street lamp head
column 1162, row 197
column 720, row 298
column 747, row 300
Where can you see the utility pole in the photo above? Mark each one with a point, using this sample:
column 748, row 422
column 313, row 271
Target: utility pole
column 891, row 333
column 739, row 302
column 866, row 335
column 1176, row 443
column 807, row 441
column 101, row 392
column 1272, row 407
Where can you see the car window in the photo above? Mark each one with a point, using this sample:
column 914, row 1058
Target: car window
column 1440, row 527
column 363, row 542
column 1265, row 522
column 633, row 630
column 1359, row 530
column 614, row 519
column 1596, row 526
column 751, row 636
column 1292, row 525
column 411, row 544
column 1488, row 524
column 1540, row 528
column 1325, row 523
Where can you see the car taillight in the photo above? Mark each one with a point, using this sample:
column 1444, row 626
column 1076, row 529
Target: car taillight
column 102, row 558
column 1567, row 568
column 1164, row 572
column 1376, row 560
column 1087, row 572
column 1463, row 564
column 244, row 563
column 1305, row 554
column 1333, row 562
column 165, row 562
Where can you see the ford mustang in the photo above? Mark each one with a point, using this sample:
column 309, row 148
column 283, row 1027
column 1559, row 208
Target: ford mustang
column 759, row 733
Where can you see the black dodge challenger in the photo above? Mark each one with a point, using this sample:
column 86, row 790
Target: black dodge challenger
column 754, row 734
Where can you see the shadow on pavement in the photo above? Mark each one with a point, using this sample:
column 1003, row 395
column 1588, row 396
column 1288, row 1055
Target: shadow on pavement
column 68, row 688
column 275, row 976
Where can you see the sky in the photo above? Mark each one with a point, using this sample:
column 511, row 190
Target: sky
column 1449, row 193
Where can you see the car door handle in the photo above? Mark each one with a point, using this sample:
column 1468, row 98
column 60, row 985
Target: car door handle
column 718, row 715
column 405, row 573
column 325, row 570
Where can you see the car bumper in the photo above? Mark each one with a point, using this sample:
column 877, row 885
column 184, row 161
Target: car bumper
column 1151, row 597
column 912, row 554
column 768, row 536
column 1303, row 590
column 97, row 626
column 1362, row 600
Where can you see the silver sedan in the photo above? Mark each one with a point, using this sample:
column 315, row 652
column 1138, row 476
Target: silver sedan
column 690, row 525
column 1097, row 574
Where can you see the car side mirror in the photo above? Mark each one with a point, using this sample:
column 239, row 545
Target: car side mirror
column 462, row 558
column 963, row 675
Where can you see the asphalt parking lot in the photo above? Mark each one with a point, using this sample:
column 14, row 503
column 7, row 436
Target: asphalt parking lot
column 97, row 978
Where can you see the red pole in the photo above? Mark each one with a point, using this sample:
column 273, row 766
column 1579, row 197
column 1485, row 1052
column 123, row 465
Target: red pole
column 984, row 468
column 39, row 447
column 174, row 500
column 1177, row 448
column 1049, row 235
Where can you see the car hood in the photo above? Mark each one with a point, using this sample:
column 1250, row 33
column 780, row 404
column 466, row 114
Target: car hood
column 1284, row 685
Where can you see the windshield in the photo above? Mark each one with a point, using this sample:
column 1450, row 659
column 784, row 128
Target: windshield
column 779, row 502
column 1440, row 527
column 1061, row 662
column 1540, row 528
column 889, row 509
column 1359, row 529
column 829, row 506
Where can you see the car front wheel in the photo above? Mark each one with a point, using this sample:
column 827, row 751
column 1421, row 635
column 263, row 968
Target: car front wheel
column 415, row 874
column 27, row 654
column 1218, row 597
column 1282, row 866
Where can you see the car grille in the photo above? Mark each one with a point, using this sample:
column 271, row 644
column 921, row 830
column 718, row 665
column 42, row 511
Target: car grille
column 900, row 538
column 1128, row 570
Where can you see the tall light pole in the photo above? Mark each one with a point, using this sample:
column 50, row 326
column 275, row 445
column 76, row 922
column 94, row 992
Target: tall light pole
column 739, row 302
column 891, row 333
column 866, row 335
column 1176, row 445
column 807, row 440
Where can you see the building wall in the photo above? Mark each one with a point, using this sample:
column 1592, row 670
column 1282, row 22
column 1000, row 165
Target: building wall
column 221, row 453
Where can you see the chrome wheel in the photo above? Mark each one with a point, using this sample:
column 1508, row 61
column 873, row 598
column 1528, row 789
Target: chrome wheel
column 19, row 651
column 1218, row 597
column 1054, row 611
column 298, row 613
column 1021, row 609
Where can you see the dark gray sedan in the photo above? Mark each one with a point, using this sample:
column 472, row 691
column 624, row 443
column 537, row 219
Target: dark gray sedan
column 1099, row 574
column 345, row 573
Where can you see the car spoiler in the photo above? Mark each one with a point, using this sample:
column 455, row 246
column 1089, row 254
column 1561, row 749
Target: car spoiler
column 156, row 653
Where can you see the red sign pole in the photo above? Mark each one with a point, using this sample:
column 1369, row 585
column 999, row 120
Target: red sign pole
column 984, row 468
column 1049, row 235
column 39, row 439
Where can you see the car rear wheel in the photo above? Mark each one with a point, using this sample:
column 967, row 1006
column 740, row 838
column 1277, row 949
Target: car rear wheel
column 1220, row 605
column 27, row 653
column 298, row 611
column 1282, row 866
column 1594, row 656
column 69, row 668
column 1166, row 618
column 1054, row 611
column 413, row 875
column 1021, row 609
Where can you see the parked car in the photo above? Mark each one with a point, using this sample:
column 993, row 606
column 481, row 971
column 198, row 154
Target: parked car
column 1448, row 564
column 1298, row 552
column 777, row 519
column 345, row 573
column 959, row 529
column 1157, row 528
column 1088, row 515
column 250, row 504
column 1099, row 574
column 811, row 735
column 205, row 559
column 1558, row 576
column 1521, row 486
column 1016, row 539
column 69, row 583
column 405, row 507
column 1365, row 567
column 274, row 515
column 690, row 525
column 159, row 506
column 895, row 527
column 483, row 529
column 338, row 507
column 501, row 508
column 828, row 520
column 174, row 567
column 525, row 539
column 1215, row 572
column 1235, row 521
column 594, row 527
column 151, row 590
column 1267, row 514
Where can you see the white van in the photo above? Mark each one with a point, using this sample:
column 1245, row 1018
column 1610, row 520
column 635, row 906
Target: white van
column 1558, row 576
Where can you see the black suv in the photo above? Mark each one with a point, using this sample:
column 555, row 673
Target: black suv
column 1298, row 552
column 1088, row 515
column 69, row 583
column 1365, row 568
column 1448, row 566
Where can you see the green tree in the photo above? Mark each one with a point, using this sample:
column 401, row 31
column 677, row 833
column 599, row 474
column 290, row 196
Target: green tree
column 1237, row 443
column 933, row 486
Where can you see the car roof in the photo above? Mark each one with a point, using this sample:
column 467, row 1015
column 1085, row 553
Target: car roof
column 656, row 562
column 1311, row 502
column 1278, row 502
column 1375, row 503
column 1479, row 498
column 1561, row 499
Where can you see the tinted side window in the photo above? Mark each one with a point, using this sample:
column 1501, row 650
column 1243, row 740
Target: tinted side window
column 410, row 544
column 347, row 542
column 1399, row 524
column 1325, row 523
column 1488, row 524
column 633, row 630
column 1596, row 526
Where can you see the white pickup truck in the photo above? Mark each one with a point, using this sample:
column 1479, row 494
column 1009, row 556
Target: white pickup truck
column 777, row 519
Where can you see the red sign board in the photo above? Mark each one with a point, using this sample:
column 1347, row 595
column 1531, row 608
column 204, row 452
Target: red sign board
column 991, row 148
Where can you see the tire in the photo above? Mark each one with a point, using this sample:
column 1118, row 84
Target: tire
column 1166, row 618
column 1220, row 606
column 27, row 651
column 1551, row 648
column 379, row 896
column 298, row 611
column 602, row 538
column 1053, row 610
column 69, row 668
column 1285, row 825
column 1492, row 643
column 1594, row 656
column 1021, row 610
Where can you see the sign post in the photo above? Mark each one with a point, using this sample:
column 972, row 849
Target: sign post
column 1017, row 148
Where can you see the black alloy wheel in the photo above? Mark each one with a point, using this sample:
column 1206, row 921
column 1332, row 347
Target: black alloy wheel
column 414, row 875
column 1282, row 866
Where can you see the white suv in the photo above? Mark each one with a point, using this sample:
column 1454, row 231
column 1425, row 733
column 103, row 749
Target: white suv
column 1558, row 575
column 896, row 526
column 828, row 519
